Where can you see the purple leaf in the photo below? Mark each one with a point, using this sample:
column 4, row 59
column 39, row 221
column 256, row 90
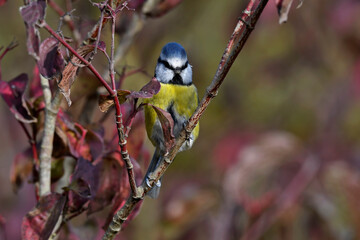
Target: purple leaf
column 110, row 174
column 33, row 12
column 51, row 62
column 82, row 184
column 148, row 91
column 13, row 94
column 81, row 188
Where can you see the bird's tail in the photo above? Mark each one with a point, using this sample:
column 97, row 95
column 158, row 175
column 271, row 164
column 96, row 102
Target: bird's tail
column 154, row 192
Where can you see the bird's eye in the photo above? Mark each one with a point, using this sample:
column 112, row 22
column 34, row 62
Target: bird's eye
column 185, row 65
column 166, row 64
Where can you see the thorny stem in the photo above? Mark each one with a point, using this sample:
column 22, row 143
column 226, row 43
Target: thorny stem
column 65, row 16
column 119, row 122
column 241, row 32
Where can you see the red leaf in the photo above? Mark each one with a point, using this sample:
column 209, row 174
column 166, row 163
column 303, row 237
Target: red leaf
column 21, row 168
column 33, row 223
column 148, row 91
column 51, row 62
column 82, row 142
column 161, row 8
column 13, row 94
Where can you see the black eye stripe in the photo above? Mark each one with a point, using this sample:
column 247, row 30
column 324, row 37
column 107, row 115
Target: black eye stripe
column 167, row 65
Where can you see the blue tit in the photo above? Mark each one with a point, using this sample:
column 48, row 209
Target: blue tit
column 178, row 96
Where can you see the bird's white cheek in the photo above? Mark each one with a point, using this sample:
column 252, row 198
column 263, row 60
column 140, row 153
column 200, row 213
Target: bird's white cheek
column 187, row 75
column 164, row 74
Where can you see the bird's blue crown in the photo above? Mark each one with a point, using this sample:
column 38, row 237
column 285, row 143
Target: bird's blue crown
column 173, row 50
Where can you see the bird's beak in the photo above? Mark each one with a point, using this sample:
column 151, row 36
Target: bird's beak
column 177, row 70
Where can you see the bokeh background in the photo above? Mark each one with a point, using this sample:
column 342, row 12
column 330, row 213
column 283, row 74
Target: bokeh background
column 278, row 155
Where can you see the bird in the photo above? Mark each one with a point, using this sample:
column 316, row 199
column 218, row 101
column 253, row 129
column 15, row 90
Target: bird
column 178, row 96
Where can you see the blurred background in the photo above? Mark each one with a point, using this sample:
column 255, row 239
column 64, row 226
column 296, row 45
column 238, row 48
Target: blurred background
column 278, row 154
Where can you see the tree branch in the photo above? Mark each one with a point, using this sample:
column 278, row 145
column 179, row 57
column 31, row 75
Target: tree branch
column 241, row 32
column 51, row 109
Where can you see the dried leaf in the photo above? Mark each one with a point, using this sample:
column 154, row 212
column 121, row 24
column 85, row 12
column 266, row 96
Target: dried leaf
column 148, row 91
column 51, row 62
column 13, row 94
column 70, row 71
column 106, row 101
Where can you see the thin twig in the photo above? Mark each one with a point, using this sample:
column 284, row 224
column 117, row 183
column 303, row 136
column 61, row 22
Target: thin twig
column 67, row 18
column 73, row 51
column 241, row 32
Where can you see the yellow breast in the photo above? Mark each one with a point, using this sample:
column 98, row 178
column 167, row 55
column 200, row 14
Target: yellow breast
column 183, row 98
